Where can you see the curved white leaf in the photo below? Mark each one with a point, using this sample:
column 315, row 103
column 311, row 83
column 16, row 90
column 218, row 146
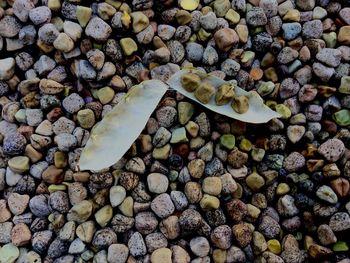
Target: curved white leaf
column 111, row 138
column 258, row 112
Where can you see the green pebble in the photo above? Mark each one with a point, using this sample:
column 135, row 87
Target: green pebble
column 128, row 46
column 9, row 253
column 173, row 175
column 265, row 88
column 105, row 95
column 284, row 111
column 21, row 115
column 340, row 246
column 186, row 111
column 258, row 154
column 255, row 181
column 228, row 141
column 179, row 135
column 345, row 85
column 221, row 7
column 232, row 16
column 342, row 117
column 247, row 56
column 294, row 66
column 330, row 39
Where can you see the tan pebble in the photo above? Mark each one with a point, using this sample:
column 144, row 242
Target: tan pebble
column 5, row 213
column 20, row 234
column 161, row 255
column 18, row 203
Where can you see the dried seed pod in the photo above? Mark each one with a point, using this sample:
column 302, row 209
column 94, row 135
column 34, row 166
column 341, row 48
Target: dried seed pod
column 204, row 92
column 240, row 104
column 190, row 82
column 224, row 94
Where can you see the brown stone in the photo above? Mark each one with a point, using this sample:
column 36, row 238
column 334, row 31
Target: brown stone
column 53, row 175
column 5, row 213
column 20, row 234
column 242, row 233
column 236, row 209
column 225, row 38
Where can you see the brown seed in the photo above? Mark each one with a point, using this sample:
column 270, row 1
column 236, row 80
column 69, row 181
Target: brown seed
column 190, row 82
column 224, row 94
column 240, row 104
column 204, row 92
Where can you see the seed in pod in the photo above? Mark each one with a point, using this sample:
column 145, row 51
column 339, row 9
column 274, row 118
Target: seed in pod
column 204, row 92
column 224, row 94
column 240, row 104
column 190, row 82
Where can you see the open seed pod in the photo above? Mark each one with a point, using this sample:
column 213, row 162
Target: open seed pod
column 111, row 138
column 257, row 111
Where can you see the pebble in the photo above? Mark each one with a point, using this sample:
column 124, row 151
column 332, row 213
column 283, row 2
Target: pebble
column 7, row 67
column 162, row 205
column 136, row 245
column 161, row 255
column 18, row 203
column 200, row 246
column 332, row 149
column 157, row 183
column 117, row 253
column 40, row 15
column 98, row 29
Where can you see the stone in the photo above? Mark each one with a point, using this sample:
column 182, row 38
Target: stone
column 19, row 164
column 117, row 195
column 332, row 150
column 128, row 45
column 117, row 253
column 178, row 136
column 20, row 235
column 157, row 183
column 9, row 26
column 256, row 17
column 103, row 238
column 9, row 253
column 80, row 212
column 137, row 246
column 5, row 213
column 343, row 35
column 329, row 56
column 40, row 15
column 161, row 255
column 340, row 221
column 7, row 68
column 86, row 231
column 98, row 29
column 162, row 205
column 225, row 38
column 200, row 246
column 18, row 203
column 104, row 215
column 63, row 43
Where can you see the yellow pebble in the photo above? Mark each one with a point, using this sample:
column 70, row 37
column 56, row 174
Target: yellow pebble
column 209, row 202
column 245, row 145
column 126, row 19
column 203, row 35
column 232, row 16
column 83, row 14
column 219, row 256
column 189, row 5
column 128, row 45
column 105, row 95
column 274, row 246
column 284, row 111
column 57, row 187
column 292, row 15
column 127, row 207
column 282, row 189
